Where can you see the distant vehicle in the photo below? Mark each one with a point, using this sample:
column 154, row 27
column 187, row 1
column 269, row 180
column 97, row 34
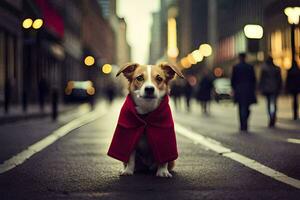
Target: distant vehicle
column 79, row 91
column 222, row 89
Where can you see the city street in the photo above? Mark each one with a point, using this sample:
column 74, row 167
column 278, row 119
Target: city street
column 213, row 158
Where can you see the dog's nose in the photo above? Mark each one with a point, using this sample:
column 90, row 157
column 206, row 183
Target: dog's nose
column 149, row 90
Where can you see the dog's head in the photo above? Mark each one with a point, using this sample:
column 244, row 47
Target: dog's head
column 149, row 81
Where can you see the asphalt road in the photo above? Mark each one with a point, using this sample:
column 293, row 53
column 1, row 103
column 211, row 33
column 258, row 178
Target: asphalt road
column 77, row 167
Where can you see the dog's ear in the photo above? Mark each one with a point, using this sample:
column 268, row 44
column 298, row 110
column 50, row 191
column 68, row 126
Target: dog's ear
column 128, row 70
column 170, row 71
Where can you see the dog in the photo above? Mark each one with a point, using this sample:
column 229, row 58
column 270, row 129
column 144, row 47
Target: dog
column 148, row 88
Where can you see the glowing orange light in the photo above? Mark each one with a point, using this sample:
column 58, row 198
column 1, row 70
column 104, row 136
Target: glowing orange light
column 205, row 50
column 27, row 23
column 106, row 69
column 90, row 91
column 89, row 60
column 218, row 72
column 185, row 63
column 38, row 23
column 191, row 59
column 192, row 80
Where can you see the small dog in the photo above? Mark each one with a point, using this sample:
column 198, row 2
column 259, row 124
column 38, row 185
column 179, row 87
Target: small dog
column 148, row 89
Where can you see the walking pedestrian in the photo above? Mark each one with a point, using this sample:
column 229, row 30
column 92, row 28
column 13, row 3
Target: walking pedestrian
column 110, row 93
column 204, row 91
column 176, row 93
column 43, row 92
column 270, row 85
column 243, row 82
column 293, row 87
column 188, row 92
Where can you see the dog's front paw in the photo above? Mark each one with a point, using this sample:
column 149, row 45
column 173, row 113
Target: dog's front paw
column 126, row 172
column 163, row 173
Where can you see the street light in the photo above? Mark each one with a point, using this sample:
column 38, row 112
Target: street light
column 172, row 50
column 27, row 23
column 293, row 14
column 205, row 50
column 198, row 57
column 253, row 31
column 89, row 61
column 38, row 23
column 191, row 59
column 106, row 69
column 185, row 63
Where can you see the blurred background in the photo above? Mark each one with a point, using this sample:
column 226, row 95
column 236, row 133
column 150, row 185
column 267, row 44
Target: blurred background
column 71, row 50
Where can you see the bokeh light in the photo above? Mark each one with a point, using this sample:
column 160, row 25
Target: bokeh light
column 89, row 60
column 106, row 69
column 253, row 31
column 185, row 63
column 205, row 50
column 191, row 59
column 198, row 57
column 38, row 23
column 218, row 72
column 27, row 23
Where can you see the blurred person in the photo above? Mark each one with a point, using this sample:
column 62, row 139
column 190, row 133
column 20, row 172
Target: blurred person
column 54, row 102
column 270, row 85
column 243, row 82
column 43, row 92
column 188, row 92
column 204, row 90
column 7, row 95
column 293, row 86
column 110, row 92
column 176, row 93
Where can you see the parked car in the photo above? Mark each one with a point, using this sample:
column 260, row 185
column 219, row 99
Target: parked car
column 79, row 91
column 222, row 89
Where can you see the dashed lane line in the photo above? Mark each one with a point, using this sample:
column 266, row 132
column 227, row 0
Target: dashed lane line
column 21, row 157
column 292, row 140
column 226, row 152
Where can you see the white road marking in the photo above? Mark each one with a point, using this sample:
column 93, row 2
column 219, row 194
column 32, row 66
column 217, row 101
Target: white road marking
column 226, row 152
column 45, row 142
column 292, row 140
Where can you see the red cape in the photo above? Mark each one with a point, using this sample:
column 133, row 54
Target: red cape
column 157, row 125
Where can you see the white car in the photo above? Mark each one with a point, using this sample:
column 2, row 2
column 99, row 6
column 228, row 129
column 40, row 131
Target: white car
column 222, row 89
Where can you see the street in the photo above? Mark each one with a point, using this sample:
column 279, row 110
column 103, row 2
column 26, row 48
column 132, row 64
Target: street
column 76, row 166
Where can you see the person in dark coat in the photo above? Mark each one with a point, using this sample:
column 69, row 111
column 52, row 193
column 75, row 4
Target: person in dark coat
column 293, row 86
column 110, row 92
column 204, row 91
column 243, row 82
column 43, row 92
column 188, row 92
column 176, row 93
column 270, row 85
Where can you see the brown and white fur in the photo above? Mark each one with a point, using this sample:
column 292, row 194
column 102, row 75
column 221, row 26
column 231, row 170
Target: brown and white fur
column 148, row 84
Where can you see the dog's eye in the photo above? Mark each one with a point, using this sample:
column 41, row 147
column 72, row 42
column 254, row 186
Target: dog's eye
column 140, row 78
column 159, row 79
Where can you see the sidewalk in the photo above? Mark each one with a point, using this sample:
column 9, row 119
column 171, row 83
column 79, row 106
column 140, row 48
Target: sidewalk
column 33, row 111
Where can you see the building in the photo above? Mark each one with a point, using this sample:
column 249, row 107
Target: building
column 72, row 68
column 43, row 41
column 10, row 52
column 122, row 48
column 155, row 51
column 278, row 35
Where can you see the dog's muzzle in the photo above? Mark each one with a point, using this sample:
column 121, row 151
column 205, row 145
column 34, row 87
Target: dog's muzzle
column 149, row 92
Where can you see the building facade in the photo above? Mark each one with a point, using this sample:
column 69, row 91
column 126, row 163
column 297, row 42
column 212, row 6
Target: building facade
column 278, row 35
column 10, row 51
column 52, row 54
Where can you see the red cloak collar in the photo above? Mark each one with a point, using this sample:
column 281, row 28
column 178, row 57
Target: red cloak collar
column 157, row 125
